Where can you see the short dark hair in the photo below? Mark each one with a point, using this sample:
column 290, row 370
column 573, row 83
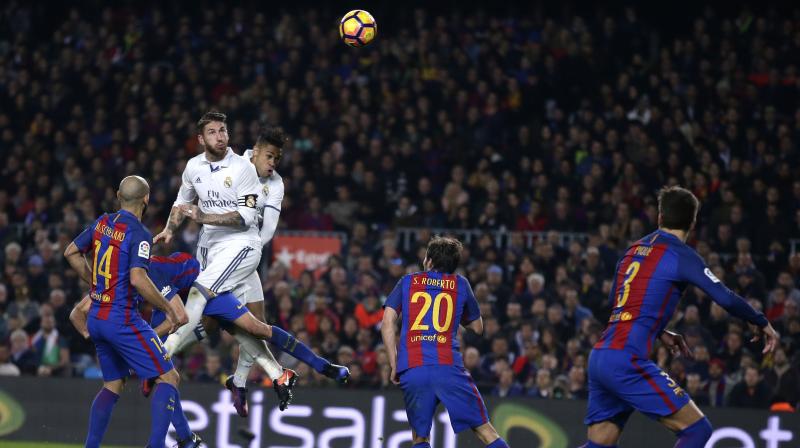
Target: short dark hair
column 208, row 117
column 274, row 136
column 677, row 207
column 445, row 253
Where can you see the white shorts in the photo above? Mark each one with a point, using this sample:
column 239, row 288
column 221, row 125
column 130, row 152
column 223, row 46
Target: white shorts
column 226, row 265
column 251, row 290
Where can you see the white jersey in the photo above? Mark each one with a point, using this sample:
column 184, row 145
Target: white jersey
column 222, row 187
column 269, row 201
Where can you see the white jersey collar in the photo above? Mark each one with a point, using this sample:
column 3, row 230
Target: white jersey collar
column 225, row 160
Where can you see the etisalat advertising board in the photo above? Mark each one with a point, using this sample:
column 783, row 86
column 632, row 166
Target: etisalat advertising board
column 337, row 418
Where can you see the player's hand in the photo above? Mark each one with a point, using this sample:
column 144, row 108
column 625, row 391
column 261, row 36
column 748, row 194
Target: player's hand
column 393, row 377
column 676, row 344
column 180, row 313
column 771, row 337
column 165, row 235
column 192, row 212
column 85, row 334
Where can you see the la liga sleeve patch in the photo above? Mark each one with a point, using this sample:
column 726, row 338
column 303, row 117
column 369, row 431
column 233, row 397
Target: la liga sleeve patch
column 144, row 250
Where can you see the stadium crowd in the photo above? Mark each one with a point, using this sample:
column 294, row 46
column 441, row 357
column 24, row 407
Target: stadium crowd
column 518, row 121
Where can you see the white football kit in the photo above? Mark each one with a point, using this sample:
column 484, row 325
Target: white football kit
column 268, row 210
column 227, row 255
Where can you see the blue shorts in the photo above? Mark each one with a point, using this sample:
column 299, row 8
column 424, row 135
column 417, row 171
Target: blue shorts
column 620, row 382
column 226, row 308
column 425, row 386
column 125, row 347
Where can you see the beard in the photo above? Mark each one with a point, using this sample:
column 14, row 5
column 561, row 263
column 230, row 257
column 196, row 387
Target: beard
column 215, row 151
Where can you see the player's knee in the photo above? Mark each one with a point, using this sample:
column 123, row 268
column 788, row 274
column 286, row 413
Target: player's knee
column 171, row 377
column 263, row 331
column 697, row 434
column 603, row 433
column 486, row 433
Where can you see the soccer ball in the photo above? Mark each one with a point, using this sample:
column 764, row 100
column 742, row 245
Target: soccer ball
column 358, row 28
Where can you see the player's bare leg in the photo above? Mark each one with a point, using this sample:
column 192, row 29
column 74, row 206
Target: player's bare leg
column 487, row 434
column 690, row 425
column 289, row 344
column 603, row 434
column 419, row 442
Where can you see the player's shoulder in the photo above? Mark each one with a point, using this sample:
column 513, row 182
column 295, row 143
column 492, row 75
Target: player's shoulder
column 275, row 183
column 195, row 162
column 240, row 162
column 462, row 280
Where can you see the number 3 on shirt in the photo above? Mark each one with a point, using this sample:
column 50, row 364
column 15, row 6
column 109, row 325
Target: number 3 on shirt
column 437, row 306
column 630, row 274
column 105, row 264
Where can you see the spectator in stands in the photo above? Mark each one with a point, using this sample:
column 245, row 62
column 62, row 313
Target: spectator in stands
column 577, row 383
column 694, row 387
column 50, row 346
column 717, row 384
column 21, row 354
column 212, row 370
column 543, row 387
column 783, row 378
column 751, row 392
column 507, row 386
column 7, row 368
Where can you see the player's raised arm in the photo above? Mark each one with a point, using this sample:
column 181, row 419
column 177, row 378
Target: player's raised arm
column 186, row 196
column 692, row 269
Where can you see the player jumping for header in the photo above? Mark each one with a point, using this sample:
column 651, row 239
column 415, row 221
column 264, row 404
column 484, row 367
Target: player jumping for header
column 426, row 362
column 226, row 188
column 265, row 156
column 649, row 281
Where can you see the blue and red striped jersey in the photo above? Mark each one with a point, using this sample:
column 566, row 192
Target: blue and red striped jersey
column 432, row 306
column 649, row 281
column 118, row 242
column 179, row 270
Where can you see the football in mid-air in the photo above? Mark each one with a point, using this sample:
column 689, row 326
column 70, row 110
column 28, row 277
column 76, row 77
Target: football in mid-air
column 358, row 28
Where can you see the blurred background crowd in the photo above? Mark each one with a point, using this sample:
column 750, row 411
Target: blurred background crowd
column 563, row 122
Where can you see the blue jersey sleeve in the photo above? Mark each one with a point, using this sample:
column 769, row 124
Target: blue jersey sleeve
column 395, row 298
column 140, row 244
column 84, row 240
column 471, row 309
column 692, row 269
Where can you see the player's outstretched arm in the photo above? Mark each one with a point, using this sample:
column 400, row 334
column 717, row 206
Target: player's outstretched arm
column 389, row 335
column 229, row 219
column 692, row 269
column 173, row 222
column 78, row 316
column 78, row 262
column 145, row 287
